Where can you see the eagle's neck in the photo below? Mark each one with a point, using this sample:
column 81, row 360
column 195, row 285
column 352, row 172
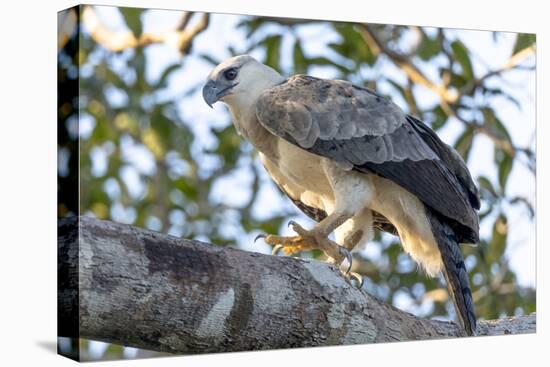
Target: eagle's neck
column 243, row 109
column 247, row 126
column 242, row 103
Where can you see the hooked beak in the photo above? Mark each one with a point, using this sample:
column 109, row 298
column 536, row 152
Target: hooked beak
column 212, row 94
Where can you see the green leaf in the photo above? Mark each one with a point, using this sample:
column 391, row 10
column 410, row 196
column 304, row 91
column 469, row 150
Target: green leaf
column 457, row 80
column 429, row 48
column 523, row 40
column 211, row 60
column 251, row 25
column 352, row 46
column 488, row 210
column 164, row 127
column 498, row 240
column 273, row 51
column 132, row 17
column 463, row 144
column 166, row 73
column 324, row 61
column 229, row 144
column 188, row 187
column 103, row 130
column 484, row 183
column 440, row 117
column 494, row 124
column 461, row 55
column 300, row 62
column 103, row 72
column 524, row 201
column 504, row 168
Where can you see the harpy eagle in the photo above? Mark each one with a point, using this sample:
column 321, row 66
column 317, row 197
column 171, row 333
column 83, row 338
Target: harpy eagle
column 353, row 160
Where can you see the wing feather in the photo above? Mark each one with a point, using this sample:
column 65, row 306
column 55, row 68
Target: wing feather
column 361, row 129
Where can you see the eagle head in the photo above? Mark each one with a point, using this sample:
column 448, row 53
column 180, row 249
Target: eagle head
column 238, row 80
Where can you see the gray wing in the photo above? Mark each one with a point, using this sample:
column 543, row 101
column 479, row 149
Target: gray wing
column 451, row 158
column 364, row 131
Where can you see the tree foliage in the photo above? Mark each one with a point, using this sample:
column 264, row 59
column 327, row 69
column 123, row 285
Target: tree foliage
column 143, row 161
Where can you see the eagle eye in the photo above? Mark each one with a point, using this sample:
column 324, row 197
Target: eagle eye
column 230, row 74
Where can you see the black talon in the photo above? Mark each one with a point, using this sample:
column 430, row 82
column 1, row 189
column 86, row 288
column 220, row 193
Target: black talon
column 276, row 249
column 291, row 223
column 261, row 235
column 357, row 277
column 348, row 255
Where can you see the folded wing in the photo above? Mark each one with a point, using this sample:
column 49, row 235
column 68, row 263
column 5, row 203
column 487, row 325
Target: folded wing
column 364, row 131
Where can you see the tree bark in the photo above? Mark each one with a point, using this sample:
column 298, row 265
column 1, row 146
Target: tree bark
column 140, row 288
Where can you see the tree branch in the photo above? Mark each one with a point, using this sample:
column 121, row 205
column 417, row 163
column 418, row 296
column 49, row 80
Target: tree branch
column 140, row 288
column 513, row 63
column 181, row 37
column 404, row 63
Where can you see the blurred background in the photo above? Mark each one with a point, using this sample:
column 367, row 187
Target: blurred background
column 152, row 154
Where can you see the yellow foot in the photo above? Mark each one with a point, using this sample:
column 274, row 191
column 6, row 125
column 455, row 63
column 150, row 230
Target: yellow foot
column 307, row 240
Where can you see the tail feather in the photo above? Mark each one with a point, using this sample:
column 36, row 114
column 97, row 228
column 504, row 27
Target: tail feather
column 454, row 271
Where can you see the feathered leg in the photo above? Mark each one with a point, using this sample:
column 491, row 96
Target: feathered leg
column 351, row 194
